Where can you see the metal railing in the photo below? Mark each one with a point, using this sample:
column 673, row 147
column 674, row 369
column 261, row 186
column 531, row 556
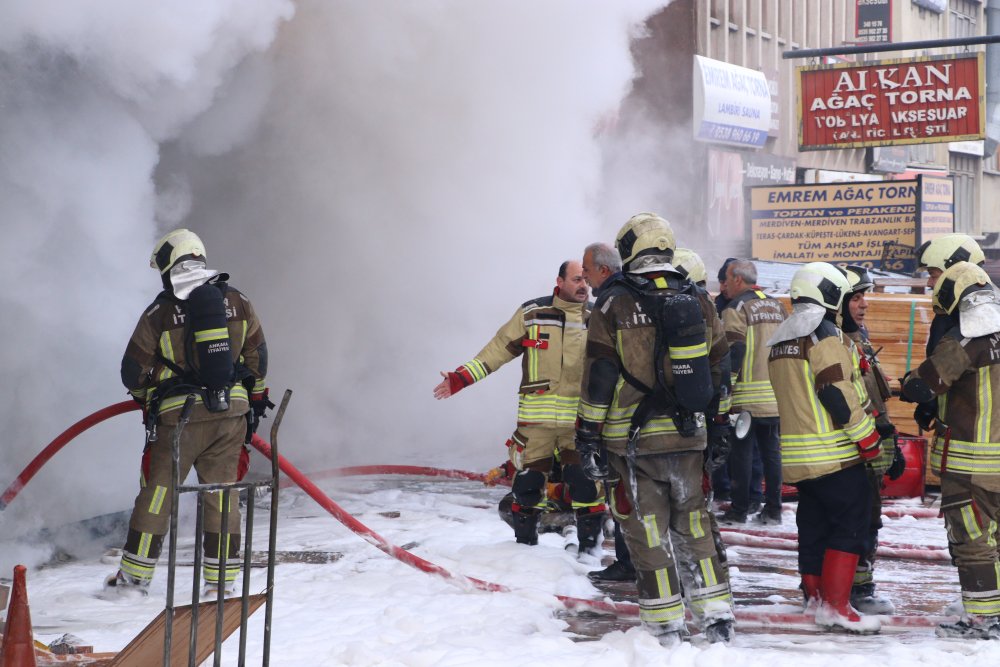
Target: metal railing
column 226, row 490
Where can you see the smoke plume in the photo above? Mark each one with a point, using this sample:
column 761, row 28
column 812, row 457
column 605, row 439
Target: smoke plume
column 386, row 181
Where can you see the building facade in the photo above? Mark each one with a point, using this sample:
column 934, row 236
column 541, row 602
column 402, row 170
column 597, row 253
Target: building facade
column 709, row 199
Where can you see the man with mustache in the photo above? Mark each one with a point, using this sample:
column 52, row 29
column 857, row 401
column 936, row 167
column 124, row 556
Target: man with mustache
column 550, row 335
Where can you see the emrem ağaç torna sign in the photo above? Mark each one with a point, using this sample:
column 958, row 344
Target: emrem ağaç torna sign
column 848, row 222
column 906, row 101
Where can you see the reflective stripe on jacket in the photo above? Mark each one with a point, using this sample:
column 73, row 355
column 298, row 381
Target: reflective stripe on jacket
column 750, row 320
column 965, row 372
column 812, row 444
column 158, row 343
column 621, row 337
column 549, row 334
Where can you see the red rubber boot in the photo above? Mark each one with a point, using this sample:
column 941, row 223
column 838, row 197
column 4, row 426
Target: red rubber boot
column 836, row 611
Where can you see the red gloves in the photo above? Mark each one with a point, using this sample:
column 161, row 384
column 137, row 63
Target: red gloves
column 868, row 446
column 459, row 380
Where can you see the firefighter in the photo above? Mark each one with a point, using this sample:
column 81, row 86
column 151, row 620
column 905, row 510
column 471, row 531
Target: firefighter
column 826, row 435
column 654, row 347
column 691, row 266
column 963, row 370
column 935, row 256
column 602, row 268
column 890, row 461
column 750, row 318
column 200, row 336
column 549, row 334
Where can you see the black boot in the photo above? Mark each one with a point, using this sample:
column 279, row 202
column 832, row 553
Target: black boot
column 617, row 571
column 590, row 532
column 526, row 526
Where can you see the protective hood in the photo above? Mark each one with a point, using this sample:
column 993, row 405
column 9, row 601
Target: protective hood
column 650, row 264
column 187, row 275
column 805, row 318
column 979, row 313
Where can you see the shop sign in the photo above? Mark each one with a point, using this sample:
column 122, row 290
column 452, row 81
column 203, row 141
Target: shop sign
column 839, row 222
column 891, row 102
column 887, row 159
column 936, row 204
column 873, row 21
column 732, row 104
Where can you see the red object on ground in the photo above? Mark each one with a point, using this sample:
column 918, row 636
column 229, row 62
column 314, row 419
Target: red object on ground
column 911, row 483
column 604, row 606
column 18, row 644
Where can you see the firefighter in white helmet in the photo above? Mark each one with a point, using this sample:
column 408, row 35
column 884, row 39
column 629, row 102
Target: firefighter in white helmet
column 964, row 370
column 935, row 256
column 826, row 435
column 853, row 314
column 199, row 336
column 654, row 350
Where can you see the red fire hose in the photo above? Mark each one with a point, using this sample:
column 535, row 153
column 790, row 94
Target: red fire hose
column 621, row 609
column 780, row 540
column 60, row 441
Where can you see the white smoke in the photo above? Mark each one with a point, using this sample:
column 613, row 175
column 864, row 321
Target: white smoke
column 88, row 91
column 423, row 169
column 387, row 182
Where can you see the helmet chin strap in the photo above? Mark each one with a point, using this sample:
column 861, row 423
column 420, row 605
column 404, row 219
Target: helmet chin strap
column 187, row 275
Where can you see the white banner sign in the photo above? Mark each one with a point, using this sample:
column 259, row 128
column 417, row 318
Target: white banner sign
column 732, row 104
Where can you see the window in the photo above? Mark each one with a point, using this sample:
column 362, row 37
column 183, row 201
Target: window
column 963, row 16
column 963, row 172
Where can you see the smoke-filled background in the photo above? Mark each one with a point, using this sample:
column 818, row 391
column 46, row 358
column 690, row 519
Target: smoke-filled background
column 387, row 181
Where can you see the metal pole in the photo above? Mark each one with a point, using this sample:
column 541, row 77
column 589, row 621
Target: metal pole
column 247, row 553
column 897, row 46
column 199, row 545
column 221, row 589
column 273, row 527
column 168, row 631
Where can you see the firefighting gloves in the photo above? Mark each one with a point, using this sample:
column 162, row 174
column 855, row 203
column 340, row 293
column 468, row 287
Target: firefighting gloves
column 260, row 403
column 720, row 438
column 459, row 380
column 898, row 466
column 925, row 414
column 887, row 432
column 868, row 446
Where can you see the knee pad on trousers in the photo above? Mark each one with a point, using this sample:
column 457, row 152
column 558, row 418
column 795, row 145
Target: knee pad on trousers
column 528, row 487
column 581, row 489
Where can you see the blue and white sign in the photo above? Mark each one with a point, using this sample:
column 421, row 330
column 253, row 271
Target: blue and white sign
column 732, row 104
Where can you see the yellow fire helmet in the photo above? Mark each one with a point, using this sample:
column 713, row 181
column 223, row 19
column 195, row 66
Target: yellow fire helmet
column 956, row 280
column 859, row 279
column 646, row 243
column 821, row 283
column 944, row 251
column 689, row 263
column 965, row 288
column 175, row 246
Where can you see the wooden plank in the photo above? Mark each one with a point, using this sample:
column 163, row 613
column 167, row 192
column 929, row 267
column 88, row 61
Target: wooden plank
column 147, row 647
